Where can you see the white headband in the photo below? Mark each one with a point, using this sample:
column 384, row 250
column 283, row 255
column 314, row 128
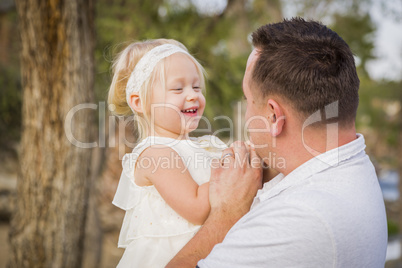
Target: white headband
column 146, row 64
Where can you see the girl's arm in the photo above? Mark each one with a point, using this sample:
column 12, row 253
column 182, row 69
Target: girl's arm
column 163, row 167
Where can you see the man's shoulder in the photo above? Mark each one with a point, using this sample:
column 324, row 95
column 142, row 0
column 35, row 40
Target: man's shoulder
column 272, row 235
column 334, row 195
column 310, row 218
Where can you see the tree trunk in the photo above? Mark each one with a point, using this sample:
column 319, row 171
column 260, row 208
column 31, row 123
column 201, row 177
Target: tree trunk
column 47, row 227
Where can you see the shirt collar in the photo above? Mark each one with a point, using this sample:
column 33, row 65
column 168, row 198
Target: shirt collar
column 332, row 158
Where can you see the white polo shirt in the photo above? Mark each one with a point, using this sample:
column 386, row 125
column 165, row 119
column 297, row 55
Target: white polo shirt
column 329, row 212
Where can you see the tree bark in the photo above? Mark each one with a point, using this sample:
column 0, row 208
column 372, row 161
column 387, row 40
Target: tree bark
column 47, row 227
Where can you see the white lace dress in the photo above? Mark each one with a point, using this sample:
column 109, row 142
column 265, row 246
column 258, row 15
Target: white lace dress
column 152, row 232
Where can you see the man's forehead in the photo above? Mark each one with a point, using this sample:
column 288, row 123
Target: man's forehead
column 252, row 58
column 250, row 62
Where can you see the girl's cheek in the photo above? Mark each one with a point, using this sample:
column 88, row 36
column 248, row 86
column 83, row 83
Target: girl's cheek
column 203, row 99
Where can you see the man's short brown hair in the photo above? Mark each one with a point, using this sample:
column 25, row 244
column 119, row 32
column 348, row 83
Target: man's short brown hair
column 309, row 65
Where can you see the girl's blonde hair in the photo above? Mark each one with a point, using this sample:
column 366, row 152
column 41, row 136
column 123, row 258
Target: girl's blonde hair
column 124, row 65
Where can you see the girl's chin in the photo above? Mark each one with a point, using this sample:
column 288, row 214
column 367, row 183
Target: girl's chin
column 191, row 129
column 193, row 125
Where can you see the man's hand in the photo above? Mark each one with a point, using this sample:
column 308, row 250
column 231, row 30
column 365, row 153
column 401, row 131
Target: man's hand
column 234, row 182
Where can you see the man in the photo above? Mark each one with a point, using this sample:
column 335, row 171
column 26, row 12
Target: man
column 325, row 208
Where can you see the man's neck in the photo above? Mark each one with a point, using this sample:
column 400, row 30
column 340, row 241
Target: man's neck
column 268, row 174
column 313, row 143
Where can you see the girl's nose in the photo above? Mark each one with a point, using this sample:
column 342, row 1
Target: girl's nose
column 192, row 95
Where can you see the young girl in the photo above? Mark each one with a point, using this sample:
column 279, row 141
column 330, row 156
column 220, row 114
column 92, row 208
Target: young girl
column 164, row 183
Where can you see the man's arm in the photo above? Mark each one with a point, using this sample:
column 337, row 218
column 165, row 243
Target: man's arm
column 211, row 233
column 232, row 190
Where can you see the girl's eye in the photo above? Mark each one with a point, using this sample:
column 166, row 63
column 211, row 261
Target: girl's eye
column 196, row 88
column 177, row 89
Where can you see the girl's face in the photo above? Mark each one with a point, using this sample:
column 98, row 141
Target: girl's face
column 176, row 110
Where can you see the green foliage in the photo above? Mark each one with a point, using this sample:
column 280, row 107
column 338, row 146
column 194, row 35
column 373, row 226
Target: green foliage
column 357, row 30
column 10, row 105
column 10, row 81
column 393, row 228
column 380, row 114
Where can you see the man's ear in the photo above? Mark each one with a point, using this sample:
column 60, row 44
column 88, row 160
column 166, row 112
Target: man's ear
column 135, row 102
column 276, row 117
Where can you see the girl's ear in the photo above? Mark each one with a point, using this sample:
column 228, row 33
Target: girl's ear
column 135, row 103
column 276, row 117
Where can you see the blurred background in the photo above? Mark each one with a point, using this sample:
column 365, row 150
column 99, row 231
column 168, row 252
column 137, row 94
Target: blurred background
column 217, row 32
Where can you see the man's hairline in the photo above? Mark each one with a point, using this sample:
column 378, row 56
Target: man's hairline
column 261, row 98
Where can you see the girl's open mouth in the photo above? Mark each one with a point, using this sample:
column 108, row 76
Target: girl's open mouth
column 190, row 112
